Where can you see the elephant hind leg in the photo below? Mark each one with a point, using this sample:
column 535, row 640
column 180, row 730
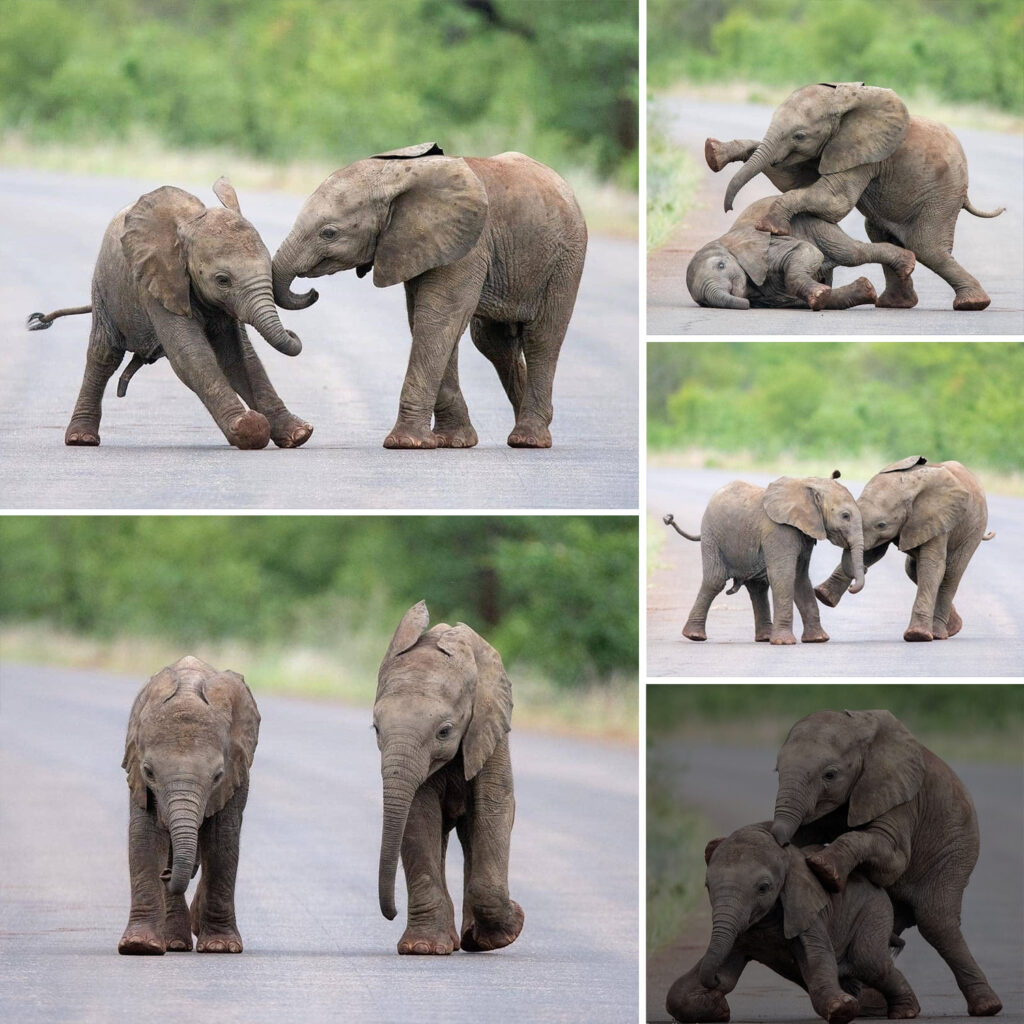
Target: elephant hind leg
column 758, row 591
column 899, row 288
column 102, row 360
column 452, row 426
column 502, row 345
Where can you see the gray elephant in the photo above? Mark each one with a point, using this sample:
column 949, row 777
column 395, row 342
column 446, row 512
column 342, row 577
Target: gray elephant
column 833, row 146
column 191, row 738
column 496, row 244
column 936, row 513
column 443, row 709
column 767, row 906
column 763, row 537
column 746, row 267
column 177, row 279
column 888, row 807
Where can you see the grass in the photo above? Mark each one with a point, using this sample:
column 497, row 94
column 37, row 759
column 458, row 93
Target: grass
column 672, row 181
column 606, row 711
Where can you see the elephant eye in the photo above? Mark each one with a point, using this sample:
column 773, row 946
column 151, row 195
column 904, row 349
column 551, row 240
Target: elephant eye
column 147, row 772
column 880, row 525
column 721, row 265
column 222, row 279
column 830, row 774
column 218, row 775
column 799, row 135
column 846, row 515
column 445, row 732
column 329, row 234
column 764, row 887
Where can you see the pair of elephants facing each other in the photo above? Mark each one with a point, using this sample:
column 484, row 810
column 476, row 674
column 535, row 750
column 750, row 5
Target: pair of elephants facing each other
column 496, row 244
column 892, row 816
column 836, row 145
column 442, row 714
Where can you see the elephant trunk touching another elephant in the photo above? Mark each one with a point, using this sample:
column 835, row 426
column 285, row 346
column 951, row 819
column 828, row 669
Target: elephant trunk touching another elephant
column 285, row 260
column 258, row 309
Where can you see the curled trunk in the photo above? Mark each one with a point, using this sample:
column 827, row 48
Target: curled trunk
column 791, row 808
column 260, row 311
column 403, row 772
column 853, row 566
column 719, row 298
column 284, row 274
column 724, row 929
column 756, row 163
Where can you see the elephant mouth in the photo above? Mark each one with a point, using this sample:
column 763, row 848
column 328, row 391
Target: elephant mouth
column 364, row 268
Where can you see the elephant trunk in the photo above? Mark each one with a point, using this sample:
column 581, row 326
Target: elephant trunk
column 185, row 806
column 756, row 163
column 259, row 310
column 724, row 929
column 853, row 565
column 284, row 266
column 792, row 806
column 403, row 770
column 719, row 298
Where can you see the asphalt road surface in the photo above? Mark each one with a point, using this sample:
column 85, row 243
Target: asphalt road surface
column 316, row 945
column 733, row 786
column 992, row 250
column 161, row 449
column 866, row 628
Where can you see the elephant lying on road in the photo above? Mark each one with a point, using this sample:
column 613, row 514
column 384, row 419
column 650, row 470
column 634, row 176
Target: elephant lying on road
column 767, row 906
column 763, row 537
column 747, row 267
column 191, row 739
column 496, row 244
column 833, row 146
column 177, row 279
column 888, row 807
column 936, row 512
column 443, row 709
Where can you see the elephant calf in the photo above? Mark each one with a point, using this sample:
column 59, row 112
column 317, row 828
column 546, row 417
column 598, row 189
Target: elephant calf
column 763, row 537
column 443, row 709
column 175, row 278
column 767, row 906
column 191, row 738
column 746, row 267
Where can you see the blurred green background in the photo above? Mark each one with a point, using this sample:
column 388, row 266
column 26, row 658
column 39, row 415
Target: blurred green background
column 342, row 80
column 855, row 405
column 309, row 603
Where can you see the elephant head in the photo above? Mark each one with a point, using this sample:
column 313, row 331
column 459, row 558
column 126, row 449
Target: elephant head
column 838, row 126
column 191, row 738
column 176, row 247
column 717, row 275
column 442, row 693
column 400, row 213
column 748, row 874
column 866, row 759
column 821, row 509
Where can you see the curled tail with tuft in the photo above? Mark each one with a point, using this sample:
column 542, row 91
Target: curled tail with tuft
column 972, row 209
column 670, row 520
column 41, row 321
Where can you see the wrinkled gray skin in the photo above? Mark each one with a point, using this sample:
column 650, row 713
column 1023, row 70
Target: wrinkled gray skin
column 834, row 146
column 177, row 279
column 496, row 244
column 889, row 808
column 767, row 906
column 442, row 714
column 936, row 513
column 191, row 738
column 763, row 537
column 746, row 267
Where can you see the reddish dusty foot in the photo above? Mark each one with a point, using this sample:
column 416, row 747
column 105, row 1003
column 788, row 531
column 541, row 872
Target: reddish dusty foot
column 918, row 634
column 696, row 1007
column 841, row 1008
column 814, row 635
column 782, row 637
column 477, row 939
column 904, row 1011
column 694, row 632
column 226, row 941
column 82, row 433
column 826, row 595
column 141, row 939
column 178, row 927
column 818, row 296
column 905, row 263
column 953, row 626
column 405, row 435
column 826, row 871
column 713, row 155
column 290, row 432
column 530, row 435
column 250, row 431
column 862, row 293
column 775, row 222
column 983, row 1002
column 456, row 437
column 898, row 298
column 971, row 298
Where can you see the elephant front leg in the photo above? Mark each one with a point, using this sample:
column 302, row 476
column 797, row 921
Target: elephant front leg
column 880, row 853
column 816, row 959
column 452, row 427
column 813, row 633
column 930, row 563
column 831, row 198
column 101, row 363
column 782, row 550
column 213, row 906
column 831, row 591
column 147, row 853
column 689, row 1002
column 719, row 154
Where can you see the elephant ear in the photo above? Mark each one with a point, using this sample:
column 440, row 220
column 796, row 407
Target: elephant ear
column 492, row 697
column 940, row 502
column 793, row 502
column 225, row 192
column 158, row 689
column 437, row 212
column 410, row 629
column 229, row 695
column 411, row 152
column 912, row 462
column 872, row 122
column 893, row 768
column 750, row 248
column 713, row 845
column 152, row 245
column 803, row 896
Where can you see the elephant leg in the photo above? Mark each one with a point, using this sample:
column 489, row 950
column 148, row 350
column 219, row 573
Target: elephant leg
column 870, row 959
column 845, row 251
column 715, row 575
column 930, row 571
column 101, row 363
column 831, row 591
column 690, row 1002
column 430, row 928
column 758, row 591
column 781, row 553
column 502, row 345
column 213, row 906
column 947, row 622
column 803, row 593
column 147, row 854
column 858, row 293
column 831, row 198
column 880, row 856
column 719, row 154
column 969, row 292
column 899, row 288
column 802, row 280
column 816, row 959
column 452, row 427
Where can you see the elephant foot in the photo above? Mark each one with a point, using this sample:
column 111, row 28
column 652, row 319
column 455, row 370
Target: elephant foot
column 826, row 871
column 903, row 298
column 954, row 623
column 82, row 434
column 817, row 297
column 479, row 938
column 250, row 431
column 405, row 435
column 695, row 632
column 774, row 223
column 841, row 1008
column 815, row 635
column 418, row 941
column 178, row 926
column 983, row 1002
column 225, row 940
column 782, row 637
column 904, row 264
column 862, row 293
column 918, row 634
column 713, row 154
column 529, row 435
column 763, row 635
column 456, row 437
column 971, row 298
column 141, row 939
column 906, row 1010
column 290, row 432
column 692, row 1007
column 826, row 595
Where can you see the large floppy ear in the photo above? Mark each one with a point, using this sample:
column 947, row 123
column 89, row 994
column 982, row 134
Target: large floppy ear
column 225, row 192
column 158, row 689
column 939, row 503
column 795, row 502
column 438, row 208
column 410, row 629
column 803, row 896
column 492, row 697
column 228, row 694
column 713, row 845
column 750, row 248
column 871, row 124
column 911, row 462
column 152, row 245
column 893, row 766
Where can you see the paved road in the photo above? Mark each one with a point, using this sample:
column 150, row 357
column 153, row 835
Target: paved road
column 733, row 786
column 161, row 449
column 866, row 628
column 993, row 250
column 317, row 948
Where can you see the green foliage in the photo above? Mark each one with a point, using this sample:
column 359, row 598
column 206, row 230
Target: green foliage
column 554, row 593
column 672, row 180
column 944, row 400
column 960, row 51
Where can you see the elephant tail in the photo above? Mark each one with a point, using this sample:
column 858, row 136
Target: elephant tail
column 670, row 520
column 989, row 535
column 41, row 321
column 972, row 209
column 736, row 584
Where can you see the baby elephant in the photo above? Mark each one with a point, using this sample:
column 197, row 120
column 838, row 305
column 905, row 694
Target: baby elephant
column 747, row 267
column 177, row 279
column 191, row 738
column 767, row 906
column 763, row 537
column 443, row 708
